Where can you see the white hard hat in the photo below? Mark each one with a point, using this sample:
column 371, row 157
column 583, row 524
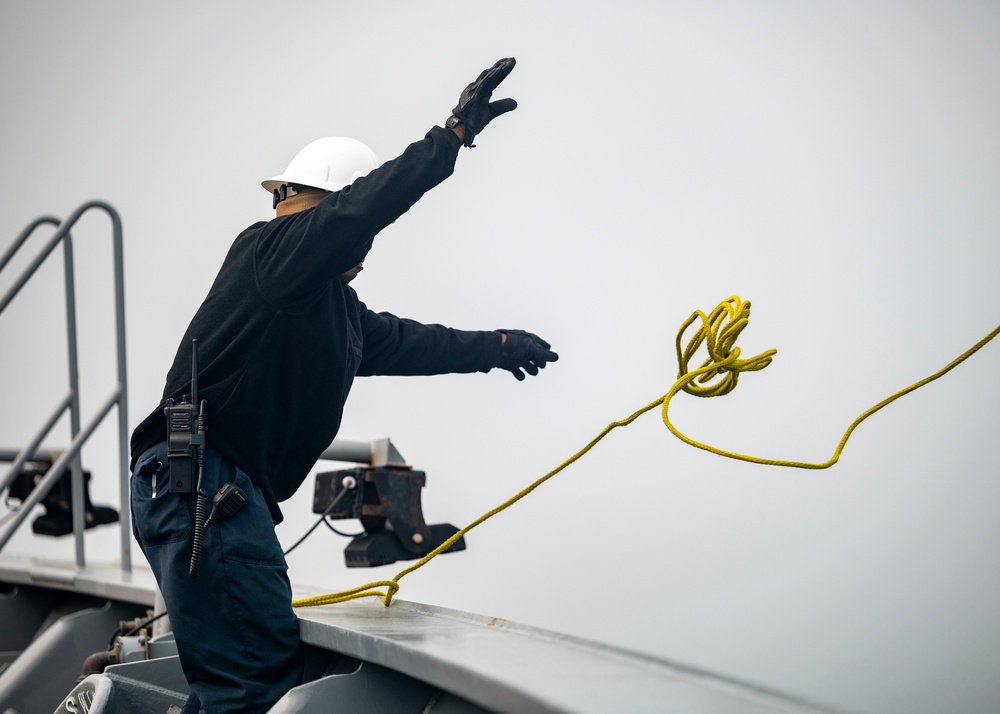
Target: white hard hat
column 328, row 164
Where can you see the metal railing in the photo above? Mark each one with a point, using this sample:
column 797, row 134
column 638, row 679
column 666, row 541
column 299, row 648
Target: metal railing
column 70, row 457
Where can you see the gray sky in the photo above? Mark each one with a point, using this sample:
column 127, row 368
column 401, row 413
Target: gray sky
column 835, row 163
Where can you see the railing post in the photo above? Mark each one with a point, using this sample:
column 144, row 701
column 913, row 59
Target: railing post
column 76, row 468
column 125, row 511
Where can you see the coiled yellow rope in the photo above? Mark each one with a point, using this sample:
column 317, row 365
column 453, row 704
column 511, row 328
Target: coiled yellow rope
column 717, row 375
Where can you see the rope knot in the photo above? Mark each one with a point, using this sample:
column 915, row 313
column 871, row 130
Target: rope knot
column 718, row 331
column 391, row 588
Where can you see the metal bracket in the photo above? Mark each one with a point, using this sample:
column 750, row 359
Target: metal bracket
column 386, row 500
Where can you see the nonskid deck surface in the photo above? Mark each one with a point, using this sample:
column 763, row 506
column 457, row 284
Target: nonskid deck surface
column 412, row 651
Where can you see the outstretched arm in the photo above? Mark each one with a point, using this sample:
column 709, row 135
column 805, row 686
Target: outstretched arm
column 397, row 346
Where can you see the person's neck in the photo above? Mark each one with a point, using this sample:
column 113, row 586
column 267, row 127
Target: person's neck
column 300, row 202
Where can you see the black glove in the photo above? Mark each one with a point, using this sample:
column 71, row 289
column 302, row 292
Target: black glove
column 475, row 110
column 523, row 350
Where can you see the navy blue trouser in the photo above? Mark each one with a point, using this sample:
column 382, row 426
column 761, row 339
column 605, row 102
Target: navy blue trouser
column 237, row 636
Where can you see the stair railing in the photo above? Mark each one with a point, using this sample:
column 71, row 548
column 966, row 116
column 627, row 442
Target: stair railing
column 70, row 457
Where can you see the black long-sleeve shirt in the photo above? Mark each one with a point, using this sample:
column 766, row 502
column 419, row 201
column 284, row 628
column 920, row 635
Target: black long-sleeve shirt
column 280, row 339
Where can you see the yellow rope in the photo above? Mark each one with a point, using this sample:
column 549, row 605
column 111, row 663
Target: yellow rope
column 724, row 360
column 717, row 375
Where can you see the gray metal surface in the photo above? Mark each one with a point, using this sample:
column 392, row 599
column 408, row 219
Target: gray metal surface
column 163, row 672
column 37, row 680
column 23, row 610
column 506, row 667
column 368, row 690
column 378, row 452
column 98, row 579
column 112, row 694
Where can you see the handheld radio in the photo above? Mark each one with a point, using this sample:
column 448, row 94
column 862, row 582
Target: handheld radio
column 186, row 434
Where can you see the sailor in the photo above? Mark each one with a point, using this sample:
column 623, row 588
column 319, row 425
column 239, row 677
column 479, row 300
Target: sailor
column 280, row 338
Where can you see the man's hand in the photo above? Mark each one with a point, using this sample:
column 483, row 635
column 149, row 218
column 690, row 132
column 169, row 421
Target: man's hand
column 475, row 110
column 522, row 350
